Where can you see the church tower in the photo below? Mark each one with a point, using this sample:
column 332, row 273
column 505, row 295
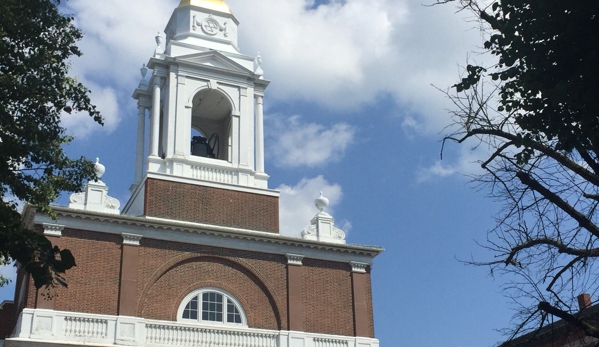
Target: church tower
column 205, row 134
column 195, row 258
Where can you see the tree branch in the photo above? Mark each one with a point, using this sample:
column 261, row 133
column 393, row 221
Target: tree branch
column 548, row 151
column 588, row 328
column 583, row 221
column 561, row 248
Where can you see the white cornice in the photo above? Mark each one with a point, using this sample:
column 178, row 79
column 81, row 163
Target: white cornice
column 210, row 235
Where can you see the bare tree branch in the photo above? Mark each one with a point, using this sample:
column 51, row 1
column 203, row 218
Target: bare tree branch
column 587, row 327
column 553, row 198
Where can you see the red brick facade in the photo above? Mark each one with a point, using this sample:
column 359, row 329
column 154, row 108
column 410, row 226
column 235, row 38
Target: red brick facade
column 94, row 282
column 169, row 271
column 8, row 318
column 201, row 204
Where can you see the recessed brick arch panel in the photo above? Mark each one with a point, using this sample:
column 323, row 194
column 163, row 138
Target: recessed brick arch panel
column 175, row 274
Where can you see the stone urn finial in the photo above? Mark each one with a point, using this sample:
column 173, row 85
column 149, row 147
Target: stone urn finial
column 159, row 41
column 321, row 202
column 144, row 72
column 99, row 168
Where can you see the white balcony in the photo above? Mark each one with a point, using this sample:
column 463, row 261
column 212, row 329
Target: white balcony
column 208, row 169
column 55, row 328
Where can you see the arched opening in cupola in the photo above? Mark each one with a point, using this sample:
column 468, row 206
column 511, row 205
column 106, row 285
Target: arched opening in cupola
column 211, row 125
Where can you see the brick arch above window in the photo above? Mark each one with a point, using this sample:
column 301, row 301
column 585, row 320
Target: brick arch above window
column 165, row 290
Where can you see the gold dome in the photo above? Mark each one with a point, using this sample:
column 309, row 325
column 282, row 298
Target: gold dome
column 215, row 5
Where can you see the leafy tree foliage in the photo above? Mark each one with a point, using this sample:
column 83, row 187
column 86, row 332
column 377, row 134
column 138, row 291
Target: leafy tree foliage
column 536, row 109
column 3, row 280
column 36, row 41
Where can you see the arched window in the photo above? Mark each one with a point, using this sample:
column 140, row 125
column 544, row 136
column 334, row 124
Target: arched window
column 211, row 305
column 211, row 125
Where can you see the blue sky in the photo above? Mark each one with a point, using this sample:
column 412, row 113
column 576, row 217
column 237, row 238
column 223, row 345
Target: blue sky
column 351, row 111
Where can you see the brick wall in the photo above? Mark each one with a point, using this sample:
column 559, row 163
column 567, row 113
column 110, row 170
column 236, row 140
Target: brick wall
column 327, row 294
column 369, row 303
column 94, row 282
column 8, row 318
column 193, row 203
column 93, row 285
column 169, row 271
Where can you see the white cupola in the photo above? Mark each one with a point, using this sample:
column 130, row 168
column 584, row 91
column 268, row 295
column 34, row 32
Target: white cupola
column 205, row 106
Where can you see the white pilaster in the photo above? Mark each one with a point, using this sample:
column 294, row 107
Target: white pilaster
column 235, row 148
column 155, row 116
column 182, row 120
column 244, row 130
column 139, row 159
column 259, row 137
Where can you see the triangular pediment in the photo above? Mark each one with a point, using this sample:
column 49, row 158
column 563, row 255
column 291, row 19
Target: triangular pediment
column 214, row 59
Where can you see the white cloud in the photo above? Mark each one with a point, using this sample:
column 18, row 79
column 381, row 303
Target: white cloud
column 348, row 53
column 294, row 143
column 462, row 159
column 321, row 54
column 296, row 206
column 438, row 169
column 342, row 54
column 82, row 125
column 118, row 36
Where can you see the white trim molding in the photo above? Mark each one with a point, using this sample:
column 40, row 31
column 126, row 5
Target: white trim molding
column 294, row 259
column 358, row 267
column 131, row 239
column 210, row 235
column 53, row 229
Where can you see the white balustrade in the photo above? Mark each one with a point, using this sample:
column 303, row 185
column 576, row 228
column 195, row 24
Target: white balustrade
column 102, row 330
column 177, row 335
column 212, row 174
column 85, row 327
column 324, row 342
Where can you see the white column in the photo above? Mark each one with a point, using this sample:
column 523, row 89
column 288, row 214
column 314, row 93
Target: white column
column 155, row 117
column 259, row 134
column 180, row 122
column 247, row 152
column 141, row 127
column 235, row 134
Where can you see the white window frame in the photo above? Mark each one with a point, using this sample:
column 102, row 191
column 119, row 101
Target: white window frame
column 198, row 293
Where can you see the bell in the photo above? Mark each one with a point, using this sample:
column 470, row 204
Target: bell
column 200, row 147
